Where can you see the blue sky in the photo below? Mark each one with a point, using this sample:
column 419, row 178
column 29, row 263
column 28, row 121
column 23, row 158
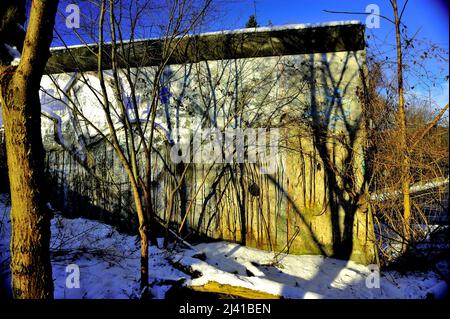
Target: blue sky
column 428, row 18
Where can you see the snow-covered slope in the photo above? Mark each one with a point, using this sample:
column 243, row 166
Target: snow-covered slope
column 293, row 276
column 108, row 261
column 109, row 267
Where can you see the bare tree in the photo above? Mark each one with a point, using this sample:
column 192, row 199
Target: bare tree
column 129, row 131
column 394, row 132
column 427, row 149
column 401, row 121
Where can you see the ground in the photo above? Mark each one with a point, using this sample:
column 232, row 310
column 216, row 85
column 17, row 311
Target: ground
column 108, row 262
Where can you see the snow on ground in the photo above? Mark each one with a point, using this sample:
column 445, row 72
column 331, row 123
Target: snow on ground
column 109, row 267
column 295, row 276
column 108, row 261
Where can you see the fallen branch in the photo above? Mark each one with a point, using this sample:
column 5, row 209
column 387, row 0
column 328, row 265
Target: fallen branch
column 232, row 291
column 184, row 268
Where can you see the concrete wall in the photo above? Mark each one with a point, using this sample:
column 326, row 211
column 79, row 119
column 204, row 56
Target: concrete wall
column 302, row 206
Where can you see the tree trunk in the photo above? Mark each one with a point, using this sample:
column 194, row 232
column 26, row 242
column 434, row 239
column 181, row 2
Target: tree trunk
column 143, row 235
column 30, row 224
column 401, row 119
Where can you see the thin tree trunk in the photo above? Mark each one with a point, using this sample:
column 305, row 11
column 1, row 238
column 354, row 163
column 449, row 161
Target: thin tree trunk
column 127, row 164
column 30, row 224
column 143, row 235
column 401, row 118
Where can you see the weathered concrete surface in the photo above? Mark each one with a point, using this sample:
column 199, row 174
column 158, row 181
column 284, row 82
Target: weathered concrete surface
column 313, row 202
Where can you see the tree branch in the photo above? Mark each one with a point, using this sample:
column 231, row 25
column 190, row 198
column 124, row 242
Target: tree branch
column 430, row 126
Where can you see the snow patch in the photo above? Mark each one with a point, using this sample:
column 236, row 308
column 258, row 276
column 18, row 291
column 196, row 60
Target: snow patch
column 293, row 276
